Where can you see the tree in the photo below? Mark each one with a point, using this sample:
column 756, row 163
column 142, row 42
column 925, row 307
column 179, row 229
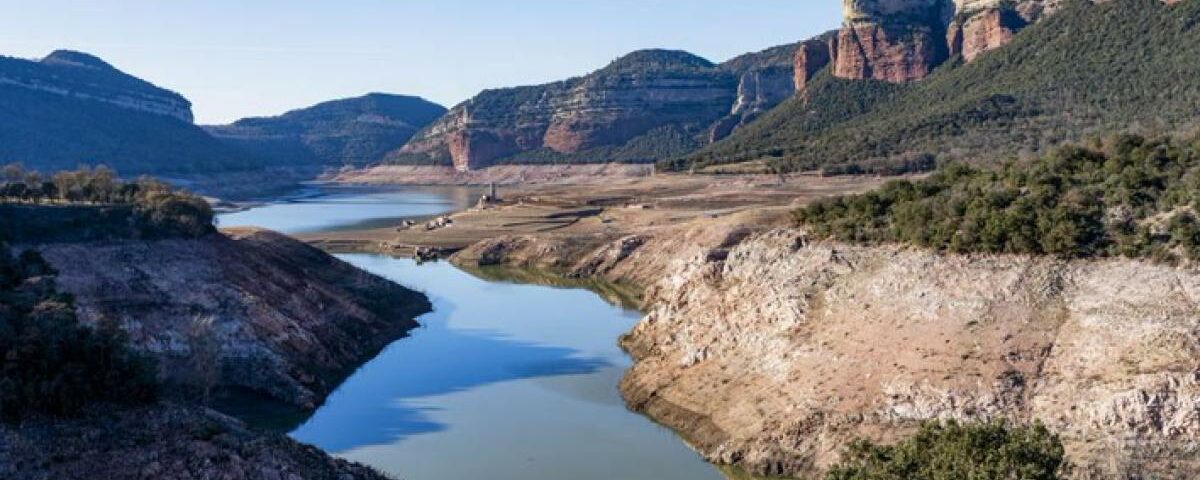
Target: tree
column 944, row 451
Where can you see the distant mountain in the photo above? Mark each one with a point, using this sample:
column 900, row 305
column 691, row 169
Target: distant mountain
column 645, row 106
column 354, row 131
column 72, row 108
column 1016, row 81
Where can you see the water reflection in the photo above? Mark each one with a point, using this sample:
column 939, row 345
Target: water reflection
column 504, row 381
column 340, row 208
column 376, row 406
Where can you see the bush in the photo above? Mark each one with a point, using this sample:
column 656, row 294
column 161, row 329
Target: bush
column 157, row 209
column 1131, row 197
column 953, row 451
column 50, row 363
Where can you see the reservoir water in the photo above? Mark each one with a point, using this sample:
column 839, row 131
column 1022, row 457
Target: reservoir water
column 502, row 381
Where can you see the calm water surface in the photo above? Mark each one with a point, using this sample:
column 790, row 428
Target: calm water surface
column 339, row 208
column 503, row 381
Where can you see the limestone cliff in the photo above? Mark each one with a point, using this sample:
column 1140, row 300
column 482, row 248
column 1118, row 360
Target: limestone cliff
column 905, row 40
column 79, row 75
column 776, row 355
column 772, row 353
column 291, row 321
column 892, row 40
column 643, row 107
column 71, row 108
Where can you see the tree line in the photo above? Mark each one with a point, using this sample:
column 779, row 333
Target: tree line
column 158, row 208
column 1126, row 196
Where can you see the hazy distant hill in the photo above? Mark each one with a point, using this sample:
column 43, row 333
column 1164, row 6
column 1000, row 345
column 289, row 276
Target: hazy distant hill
column 353, row 131
column 645, row 106
column 1089, row 69
column 71, row 108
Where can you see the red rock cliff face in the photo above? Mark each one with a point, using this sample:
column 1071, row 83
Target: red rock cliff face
column 985, row 31
column 812, row 56
column 633, row 97
column 895, row 54
column 892, row 40
column 905, row 40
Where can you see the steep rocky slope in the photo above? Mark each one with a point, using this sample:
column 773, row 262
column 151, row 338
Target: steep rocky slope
column 778, row 354
column 1088, row 69
column 645, row 106
column 348, row 132
column 70, row 108
column 290, row 320
column 164, row 442
column 772, row 353
column 905, row 40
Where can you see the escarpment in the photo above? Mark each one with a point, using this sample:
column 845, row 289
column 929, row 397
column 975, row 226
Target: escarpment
column 776, row 355
column 78, row 75
column 900, row 41
column 71, row 108
column 290, row 321
column 643, row 107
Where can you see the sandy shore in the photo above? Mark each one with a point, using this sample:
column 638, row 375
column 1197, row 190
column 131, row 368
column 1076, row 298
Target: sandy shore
column 598, row 209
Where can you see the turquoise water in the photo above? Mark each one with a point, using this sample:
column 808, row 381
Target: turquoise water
column 502, row 381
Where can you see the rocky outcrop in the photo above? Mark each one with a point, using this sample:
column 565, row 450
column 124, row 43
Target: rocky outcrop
column 764, row 79
column 774, row 356
column 902, row 40
column 290, row 321
column 644, row 106
column 162, row 442
column 892, row 40
column 79, row 75
column 980, row 26
column 813, row 56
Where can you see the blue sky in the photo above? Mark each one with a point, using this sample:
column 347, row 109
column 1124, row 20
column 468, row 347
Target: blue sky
column 237, row 58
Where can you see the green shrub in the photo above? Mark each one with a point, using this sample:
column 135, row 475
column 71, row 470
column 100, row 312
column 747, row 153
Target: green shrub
column 1131, row 197
column 50, row 363
column 157, row 210
column 953, row 451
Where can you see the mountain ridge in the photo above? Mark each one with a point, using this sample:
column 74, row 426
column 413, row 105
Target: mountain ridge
column 351, row 131
column 646, row 105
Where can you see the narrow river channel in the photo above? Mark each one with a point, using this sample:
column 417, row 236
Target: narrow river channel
column 502, row 381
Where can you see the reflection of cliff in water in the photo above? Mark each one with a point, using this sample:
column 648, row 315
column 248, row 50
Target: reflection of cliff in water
column 621, row 295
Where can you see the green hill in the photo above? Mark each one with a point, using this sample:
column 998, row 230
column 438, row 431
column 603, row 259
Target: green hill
column 71, row 108
column 353, row 131
column 1089, row 70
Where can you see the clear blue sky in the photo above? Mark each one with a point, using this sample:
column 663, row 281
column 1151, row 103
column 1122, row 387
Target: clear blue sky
column 237, row 58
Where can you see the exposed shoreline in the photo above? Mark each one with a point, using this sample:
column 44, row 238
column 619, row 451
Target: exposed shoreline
column 702, row 271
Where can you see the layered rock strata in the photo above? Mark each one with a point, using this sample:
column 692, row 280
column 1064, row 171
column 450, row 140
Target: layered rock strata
column 290, row 320
column 649, row 104
column 777, row 355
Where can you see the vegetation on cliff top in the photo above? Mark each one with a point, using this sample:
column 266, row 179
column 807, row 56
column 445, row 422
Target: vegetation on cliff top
column 1126, row 197
column 988, row 451
column 1113, row 67
column 145, row 208
column 50, row 363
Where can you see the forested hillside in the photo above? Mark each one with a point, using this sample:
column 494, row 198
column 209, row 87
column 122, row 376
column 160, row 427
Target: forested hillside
column 353, row 131
column 1088, row 70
